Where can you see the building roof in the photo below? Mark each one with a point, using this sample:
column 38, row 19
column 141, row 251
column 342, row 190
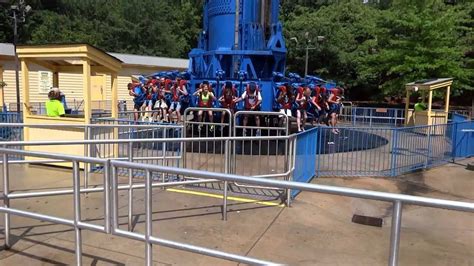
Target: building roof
column 429, row 84
column 152, row 61
column 7, row 49
column 429, row 81
column 60, row 55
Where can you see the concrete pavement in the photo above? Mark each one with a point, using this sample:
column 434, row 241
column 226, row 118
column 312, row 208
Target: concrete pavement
column 316, row 230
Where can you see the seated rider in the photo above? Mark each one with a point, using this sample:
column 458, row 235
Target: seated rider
column 319, row 104
column 149, row 102
column 160, row 103
column 227, row 99
column 303, row 99
column 178, row 90
column 252, row 101
column 285, row 99
column 205, row 100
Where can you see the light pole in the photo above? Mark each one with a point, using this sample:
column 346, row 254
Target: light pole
column 19, row 12
column 307, row 48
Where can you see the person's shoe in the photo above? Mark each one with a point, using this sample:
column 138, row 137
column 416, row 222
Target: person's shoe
column 244, row 133
column 144, row 118
column 335, row 132
column 212, row 128
column 199, row 127
column 259, row 133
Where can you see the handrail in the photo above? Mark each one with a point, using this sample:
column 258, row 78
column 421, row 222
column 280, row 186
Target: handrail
column 91, row 125
column 115, row 141
column 57, row 156
column 341, row 191
column 397, row 199
column 110, row 226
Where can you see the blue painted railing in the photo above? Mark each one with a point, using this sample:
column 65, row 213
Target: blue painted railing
column 305, row 157
column 376, row 151
column 8, row 133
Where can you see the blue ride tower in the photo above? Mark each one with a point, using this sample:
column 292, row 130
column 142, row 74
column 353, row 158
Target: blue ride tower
column 241, row 41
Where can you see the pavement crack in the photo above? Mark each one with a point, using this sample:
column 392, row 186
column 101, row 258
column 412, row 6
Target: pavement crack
column 263, row 233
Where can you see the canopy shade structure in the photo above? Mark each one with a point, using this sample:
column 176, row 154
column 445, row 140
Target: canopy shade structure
column 69, row 58
column 429, row 84
column 65, row 58
column 428, row 116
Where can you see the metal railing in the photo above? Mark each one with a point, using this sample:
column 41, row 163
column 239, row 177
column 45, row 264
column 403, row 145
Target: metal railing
column 170, row 153
column 355, row 151
column 378, row 151
column 111, row 186
column 77, row 223
column 372, row 116
column 11, row 133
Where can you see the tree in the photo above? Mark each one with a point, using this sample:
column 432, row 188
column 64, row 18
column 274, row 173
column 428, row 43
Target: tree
column 349, row 27
column 418, row 40
column 148, row 27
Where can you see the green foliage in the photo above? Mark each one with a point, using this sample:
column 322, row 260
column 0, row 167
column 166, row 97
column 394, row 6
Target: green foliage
column 373, row 49
column 148, row 27
column 349, row 28
column 417, row 40
column 378, row 48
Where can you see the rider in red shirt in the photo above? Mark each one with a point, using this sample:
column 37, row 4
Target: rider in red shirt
column 227, row 99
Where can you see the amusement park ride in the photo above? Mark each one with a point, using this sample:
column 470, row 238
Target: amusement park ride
column 242, row 42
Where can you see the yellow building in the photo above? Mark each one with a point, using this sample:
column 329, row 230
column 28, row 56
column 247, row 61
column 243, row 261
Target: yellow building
column 41, row 79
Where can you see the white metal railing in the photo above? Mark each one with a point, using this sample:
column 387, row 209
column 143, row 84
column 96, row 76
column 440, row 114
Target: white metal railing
column 111, row 186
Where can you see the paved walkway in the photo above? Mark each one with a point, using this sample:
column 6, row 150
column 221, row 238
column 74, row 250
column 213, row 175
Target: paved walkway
column 316, row 230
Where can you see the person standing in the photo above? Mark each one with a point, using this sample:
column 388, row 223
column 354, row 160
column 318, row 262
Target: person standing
column 137, row 92
column 420, row 105
column 54, row 106
column 334, row 102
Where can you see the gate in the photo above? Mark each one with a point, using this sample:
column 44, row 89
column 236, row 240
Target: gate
column 206, row 154
column 305, row 157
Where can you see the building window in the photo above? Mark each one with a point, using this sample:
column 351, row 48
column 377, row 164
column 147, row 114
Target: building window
column 45, row 79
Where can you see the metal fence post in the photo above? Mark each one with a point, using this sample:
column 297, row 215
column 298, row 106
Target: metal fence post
column 149, row 220
column 453, row 140
column 370, row 116
column 292, row 150
column 395, row 233
column 354, row 115
column 114, row 198
column 86, row 154
column 164, row 155
column 394, row 153
column 107, row 211
column 77, row 211
column 396, row 118
column 428, row 150
column 130, row 187
column 6, row 200
column 226, row 170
